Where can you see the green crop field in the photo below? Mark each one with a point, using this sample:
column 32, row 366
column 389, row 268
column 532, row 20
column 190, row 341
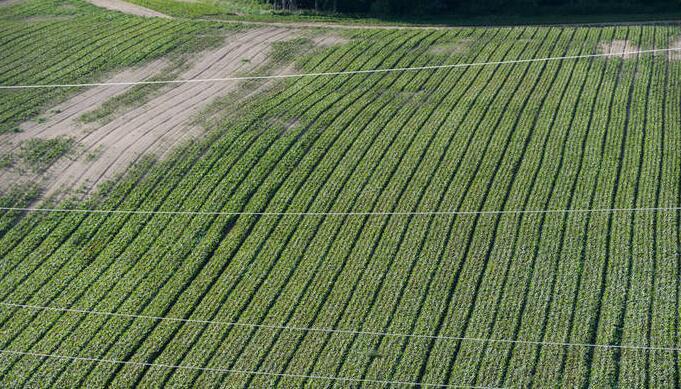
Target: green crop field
column 506, row 223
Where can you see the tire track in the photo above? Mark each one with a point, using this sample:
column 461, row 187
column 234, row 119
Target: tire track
column 476, row 127
column 587, row 223
column 497, row 223
column 362, row 269
column 622, row 316
column 658, row 247
column 429, row 227
column 406, row 225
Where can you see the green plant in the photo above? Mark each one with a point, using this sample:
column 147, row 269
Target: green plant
column 6, row 160
column 39, row 154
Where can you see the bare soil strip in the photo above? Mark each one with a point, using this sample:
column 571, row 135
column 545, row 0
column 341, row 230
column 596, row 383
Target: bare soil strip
column 5, row 3
column 330, row 40
column 626, row 48
column 154, row 128
column 62, row 120
column 676, row 44
column 128, row 8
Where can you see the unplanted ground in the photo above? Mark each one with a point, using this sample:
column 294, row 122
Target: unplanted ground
column 152, row 128
column 128, row 8
column 154, row 124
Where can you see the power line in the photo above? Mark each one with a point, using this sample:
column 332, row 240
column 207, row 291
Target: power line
column 339, row 73
column 355, row 213
column 343, row 331
column 236, row 371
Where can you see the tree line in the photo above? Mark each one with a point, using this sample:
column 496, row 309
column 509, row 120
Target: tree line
column 431, row 7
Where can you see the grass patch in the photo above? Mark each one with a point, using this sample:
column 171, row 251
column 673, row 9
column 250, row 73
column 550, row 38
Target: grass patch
column 288, row 50
column 132, row 98
column 9, row 129
column 39, row 154
column 94, row 154
column 6, row 160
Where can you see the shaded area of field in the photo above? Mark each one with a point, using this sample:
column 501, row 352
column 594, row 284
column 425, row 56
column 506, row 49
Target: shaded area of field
column 595, row 133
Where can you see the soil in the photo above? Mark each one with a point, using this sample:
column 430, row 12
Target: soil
column 676, row 44
column 5, row 3
column 330, row 40
column 125, row 7
column 154, row 128
column 455, row 47
column 617, row 47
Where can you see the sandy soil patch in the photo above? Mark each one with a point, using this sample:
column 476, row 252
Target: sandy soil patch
column 166, row 120
column 63, row 120
column 5, row 3
column 676, row 44
column 128, row 8
column 330, row 40
column 619, row 48
column 48, row 18
column 455, row 47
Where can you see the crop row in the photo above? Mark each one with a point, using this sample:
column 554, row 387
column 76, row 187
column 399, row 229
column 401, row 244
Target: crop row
column 75, row 53
column 593, row 133
column 332, row 102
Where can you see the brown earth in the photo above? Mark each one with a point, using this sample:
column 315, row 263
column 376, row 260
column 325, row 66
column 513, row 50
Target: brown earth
column 617, row 48
column 330, row 40
column 125, row 7
column 676, row 44
column 154, row 128
column 4, row 3
column 63, row 120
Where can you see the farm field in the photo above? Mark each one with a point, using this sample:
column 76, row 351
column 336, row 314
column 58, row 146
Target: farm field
column 514, row 222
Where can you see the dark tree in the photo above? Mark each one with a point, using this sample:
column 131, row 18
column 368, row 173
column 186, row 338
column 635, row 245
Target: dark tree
column 438, row 7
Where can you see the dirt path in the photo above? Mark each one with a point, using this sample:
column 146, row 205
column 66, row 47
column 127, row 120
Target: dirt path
column 128, row 8
column 154, row 128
